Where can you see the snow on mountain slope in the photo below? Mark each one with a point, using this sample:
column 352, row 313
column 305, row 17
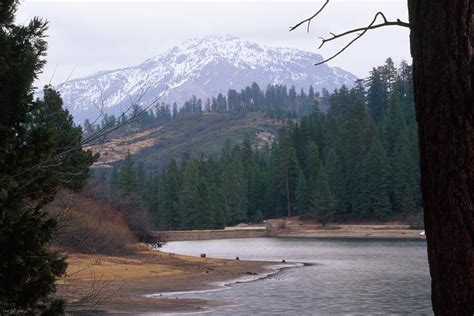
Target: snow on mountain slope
column 202, row 67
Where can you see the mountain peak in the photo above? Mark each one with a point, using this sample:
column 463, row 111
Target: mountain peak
column 215, row 38
column 203, row 67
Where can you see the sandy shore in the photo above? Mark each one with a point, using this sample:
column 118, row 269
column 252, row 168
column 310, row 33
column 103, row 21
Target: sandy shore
column 120, row 284
column 294, row 227
column 308, row 229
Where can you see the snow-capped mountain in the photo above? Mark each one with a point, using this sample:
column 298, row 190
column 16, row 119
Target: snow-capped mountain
column 202, row 67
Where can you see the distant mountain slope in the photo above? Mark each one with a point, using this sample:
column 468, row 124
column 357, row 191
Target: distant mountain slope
column 191, row 133
column 202, row 67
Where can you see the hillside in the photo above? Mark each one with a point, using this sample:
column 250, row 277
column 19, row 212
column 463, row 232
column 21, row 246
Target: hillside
column 202, row 67
column 192, row 133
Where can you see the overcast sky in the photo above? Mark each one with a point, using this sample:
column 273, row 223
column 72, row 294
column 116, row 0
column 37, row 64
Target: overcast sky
column 89, row 36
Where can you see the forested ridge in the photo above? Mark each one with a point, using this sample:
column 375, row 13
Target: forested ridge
column 357, row 160
column 276, row 100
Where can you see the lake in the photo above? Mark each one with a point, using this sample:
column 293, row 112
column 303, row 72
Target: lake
column 344, row 276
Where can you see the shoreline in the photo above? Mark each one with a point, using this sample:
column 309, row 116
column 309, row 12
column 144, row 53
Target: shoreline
column 405, row 234
column 293, row 227
column 150, row 281
column 273, row 269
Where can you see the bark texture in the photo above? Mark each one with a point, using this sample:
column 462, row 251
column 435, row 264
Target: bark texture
column 442, row 49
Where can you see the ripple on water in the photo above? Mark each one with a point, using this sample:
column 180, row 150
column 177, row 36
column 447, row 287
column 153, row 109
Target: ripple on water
column 349, row 276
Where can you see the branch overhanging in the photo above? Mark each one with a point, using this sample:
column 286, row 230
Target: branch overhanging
column 363, row 30
column 308, row 20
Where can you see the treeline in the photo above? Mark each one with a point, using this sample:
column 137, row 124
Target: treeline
column 357, row 160
column 277, row 101
column 198, row 193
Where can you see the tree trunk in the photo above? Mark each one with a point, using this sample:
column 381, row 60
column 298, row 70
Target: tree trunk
column 444, row 96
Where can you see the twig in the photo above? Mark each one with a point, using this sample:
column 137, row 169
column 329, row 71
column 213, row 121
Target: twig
column 363, row 30
column 308, row 20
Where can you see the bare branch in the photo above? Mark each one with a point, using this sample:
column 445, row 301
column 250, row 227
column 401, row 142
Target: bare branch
column 363, row 30
column 52, row 76
column 371, row 26
column 67, row 78
column 308, row 20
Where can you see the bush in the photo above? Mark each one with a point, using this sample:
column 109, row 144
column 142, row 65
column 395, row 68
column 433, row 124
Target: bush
column 88, row 226
column 138, row 218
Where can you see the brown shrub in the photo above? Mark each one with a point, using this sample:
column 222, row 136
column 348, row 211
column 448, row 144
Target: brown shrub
column 88, row 226
column 130, row 204
column 134, row 212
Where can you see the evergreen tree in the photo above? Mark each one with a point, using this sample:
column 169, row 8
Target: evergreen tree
column 35, row 159
column 214, row 105
column 395, row 139
column 88, row 127
column 403, row 175
column 292, row 98
column 171, row 196
column 257, row 96
column 276, row 196
column 207, row 105
column 373, row 193
column 322, row 201
column 127, row 178
column 233, row 99
column 311, row 94
column 175, row 110
column 140, row 177
column 377, row 97
column 302, row 203
column 53, row 121
column 204, row 208
column 156, row 204
column 213, row 175
column 289, row 168
column 221, row 103
column 313, row 165
column 113, row 180
column 335, row 179
column 319, row 198
column 189, row 199
column 234, row 186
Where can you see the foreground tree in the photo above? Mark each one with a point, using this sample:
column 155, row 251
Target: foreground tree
column 442, row 46
column 40, row 150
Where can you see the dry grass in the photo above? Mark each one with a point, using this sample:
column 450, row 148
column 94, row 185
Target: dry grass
column 192, row 133
column 117, row 283
column 116, row 148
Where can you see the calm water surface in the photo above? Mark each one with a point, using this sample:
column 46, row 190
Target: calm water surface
column 348, row 276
